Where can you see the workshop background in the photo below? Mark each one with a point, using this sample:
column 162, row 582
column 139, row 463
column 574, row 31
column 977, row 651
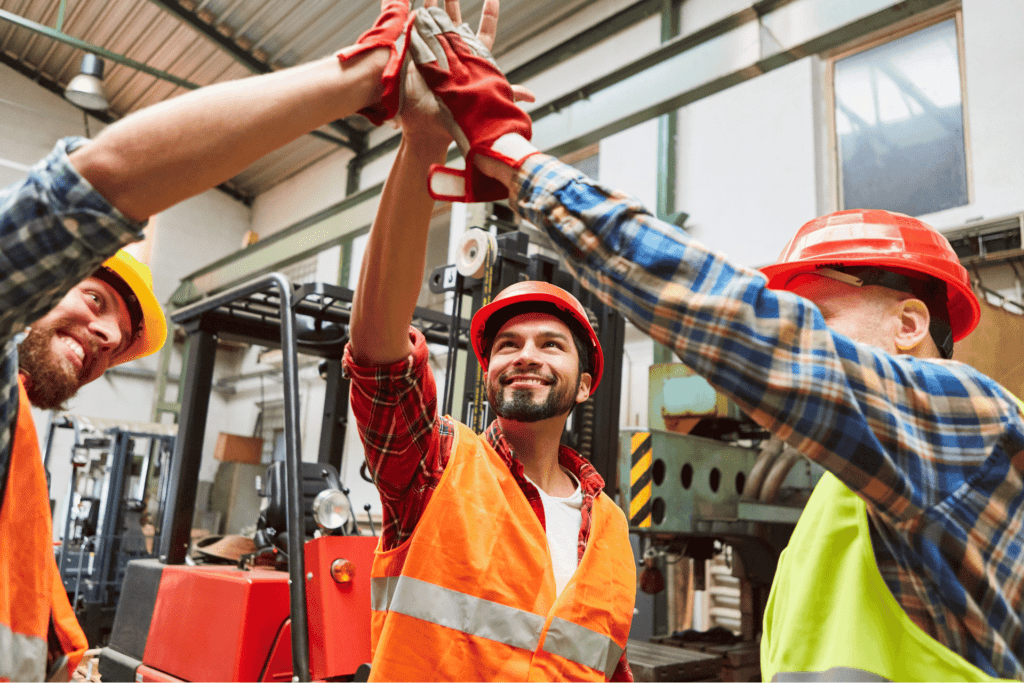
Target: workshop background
column 739, row 121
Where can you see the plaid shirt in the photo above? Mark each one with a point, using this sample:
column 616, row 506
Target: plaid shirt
column 934, row 448
column 407, row 448
column 54, row 231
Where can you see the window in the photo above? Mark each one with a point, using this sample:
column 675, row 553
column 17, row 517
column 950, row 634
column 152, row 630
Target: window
column 899, row 124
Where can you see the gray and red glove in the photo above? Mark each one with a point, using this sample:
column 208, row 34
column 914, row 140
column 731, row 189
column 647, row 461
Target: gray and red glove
column 390, row 31
column 477, row 106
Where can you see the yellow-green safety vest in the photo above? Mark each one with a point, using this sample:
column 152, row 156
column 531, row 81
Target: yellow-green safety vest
column 830, row 615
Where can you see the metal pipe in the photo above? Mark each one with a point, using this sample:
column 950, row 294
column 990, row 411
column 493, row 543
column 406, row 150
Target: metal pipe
column 296, row 534
column 60, row 15
column 89, row 47
column 668, row 125
column 770, row 452
column 296, row 528
column 777, row 474
column 58, row 35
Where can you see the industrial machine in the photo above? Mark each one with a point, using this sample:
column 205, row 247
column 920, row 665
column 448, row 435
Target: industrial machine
column 108, row 517
column 706, row 482
column 280, row 614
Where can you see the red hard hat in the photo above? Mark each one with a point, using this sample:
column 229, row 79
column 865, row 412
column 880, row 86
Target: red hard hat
column 885, row 240
column 568, row 308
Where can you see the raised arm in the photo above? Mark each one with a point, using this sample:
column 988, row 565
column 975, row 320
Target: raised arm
column 166, row 153
column 392, row 272
column 393, row 264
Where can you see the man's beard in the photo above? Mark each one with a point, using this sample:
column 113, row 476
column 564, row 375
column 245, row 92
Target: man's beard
column 51, row 383
column 520, row 406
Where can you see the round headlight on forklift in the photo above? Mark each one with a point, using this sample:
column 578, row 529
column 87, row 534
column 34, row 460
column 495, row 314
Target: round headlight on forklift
column 331, row 510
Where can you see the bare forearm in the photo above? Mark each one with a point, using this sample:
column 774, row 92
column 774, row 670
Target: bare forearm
column 166, row 153
column 393, row 265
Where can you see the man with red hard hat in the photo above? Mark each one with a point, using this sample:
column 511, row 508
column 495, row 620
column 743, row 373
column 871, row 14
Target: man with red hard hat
column 73, row 304
column 907, row 563
column 500, row 556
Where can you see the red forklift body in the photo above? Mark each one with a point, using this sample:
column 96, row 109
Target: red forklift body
column 219, row 623
column 211, row 623
column 338, row 613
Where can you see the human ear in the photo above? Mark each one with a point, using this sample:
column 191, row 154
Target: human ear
column 914, row 319
column 583, row 391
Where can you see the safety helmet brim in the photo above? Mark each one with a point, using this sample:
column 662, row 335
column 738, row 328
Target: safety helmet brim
column 153, row 334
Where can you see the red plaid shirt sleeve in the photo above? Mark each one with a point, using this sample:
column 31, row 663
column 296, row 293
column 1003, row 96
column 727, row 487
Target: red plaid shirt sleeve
column 407, row 447
column 406, row 444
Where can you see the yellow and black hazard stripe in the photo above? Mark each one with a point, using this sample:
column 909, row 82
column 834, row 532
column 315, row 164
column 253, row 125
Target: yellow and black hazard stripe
column 640, row 480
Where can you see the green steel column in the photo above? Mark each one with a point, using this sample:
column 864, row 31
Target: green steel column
column 667, row 128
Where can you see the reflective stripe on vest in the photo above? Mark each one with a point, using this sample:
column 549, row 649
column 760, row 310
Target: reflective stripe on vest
column 471, row 594
column 22, row 657
column 581, row 645
column 493, row 621
column 458, row 611
column 837, row 674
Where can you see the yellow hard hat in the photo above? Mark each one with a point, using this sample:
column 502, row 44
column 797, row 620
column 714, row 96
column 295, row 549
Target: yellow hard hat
column 134, row 282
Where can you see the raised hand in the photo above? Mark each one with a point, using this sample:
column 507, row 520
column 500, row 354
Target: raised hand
column 389, row 32
column 476, row 103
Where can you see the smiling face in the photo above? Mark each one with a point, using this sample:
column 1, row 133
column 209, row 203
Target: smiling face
column 533, row 373
column 74, row 343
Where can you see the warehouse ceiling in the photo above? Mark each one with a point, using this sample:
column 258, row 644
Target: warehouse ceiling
column 175, row 45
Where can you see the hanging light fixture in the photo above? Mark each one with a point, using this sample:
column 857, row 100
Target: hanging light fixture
column 86, row 89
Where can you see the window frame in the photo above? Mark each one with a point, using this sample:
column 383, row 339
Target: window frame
column 890, row 34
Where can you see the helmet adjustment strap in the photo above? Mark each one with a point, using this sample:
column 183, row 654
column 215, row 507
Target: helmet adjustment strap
column 932, row 291
column 131, row 301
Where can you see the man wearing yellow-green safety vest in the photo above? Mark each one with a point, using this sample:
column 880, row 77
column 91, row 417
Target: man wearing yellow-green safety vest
column 908, row 562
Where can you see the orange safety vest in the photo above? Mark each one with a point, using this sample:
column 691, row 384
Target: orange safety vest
column 32, row 597
column 471, row 594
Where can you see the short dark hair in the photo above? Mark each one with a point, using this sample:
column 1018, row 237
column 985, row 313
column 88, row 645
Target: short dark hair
column 498, row 320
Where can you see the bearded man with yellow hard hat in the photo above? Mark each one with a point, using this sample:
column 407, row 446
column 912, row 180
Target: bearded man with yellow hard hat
column 109, row 318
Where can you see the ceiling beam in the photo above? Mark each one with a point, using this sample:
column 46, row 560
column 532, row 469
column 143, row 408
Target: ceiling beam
column 708, row 61
column 353, row 139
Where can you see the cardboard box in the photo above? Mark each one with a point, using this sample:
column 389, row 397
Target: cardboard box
column 235, row 448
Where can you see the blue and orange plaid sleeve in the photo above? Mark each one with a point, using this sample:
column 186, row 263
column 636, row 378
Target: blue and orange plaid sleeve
column 55, row 229
column 926, row 444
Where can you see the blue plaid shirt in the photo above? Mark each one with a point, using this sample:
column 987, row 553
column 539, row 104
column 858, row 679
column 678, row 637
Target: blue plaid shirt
column 55, row 229
column 935, row 448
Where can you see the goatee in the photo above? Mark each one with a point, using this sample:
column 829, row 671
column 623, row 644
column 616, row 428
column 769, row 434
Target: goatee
column 49, row 382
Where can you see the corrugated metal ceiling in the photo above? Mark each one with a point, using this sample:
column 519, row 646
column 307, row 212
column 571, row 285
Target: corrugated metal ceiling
column 209, row 41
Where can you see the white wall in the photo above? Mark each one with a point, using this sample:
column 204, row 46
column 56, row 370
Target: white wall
column 995, row 96
column 746, row 164
column 316, row 188
column 187, row 236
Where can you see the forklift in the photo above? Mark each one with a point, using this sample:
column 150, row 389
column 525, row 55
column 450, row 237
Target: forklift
column 305, row 615
column 107, row 508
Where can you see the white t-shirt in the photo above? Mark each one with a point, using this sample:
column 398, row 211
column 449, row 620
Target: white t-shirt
column 563, row 518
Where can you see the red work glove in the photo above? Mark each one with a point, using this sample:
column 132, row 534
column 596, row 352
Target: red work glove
column 476, row 102
column 390, row 31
